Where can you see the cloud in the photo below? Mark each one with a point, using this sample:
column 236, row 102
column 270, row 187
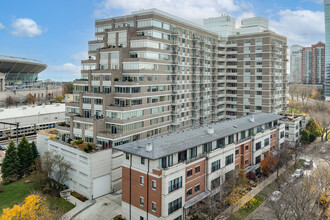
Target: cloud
column 303, row 27
column 26, row 27
column 64, row 72
column 2, row 26
column 194, row 10
column 83, row 55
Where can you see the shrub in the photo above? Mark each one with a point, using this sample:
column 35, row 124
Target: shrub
column 79, row 196
column 116, row 79
column 130, row 80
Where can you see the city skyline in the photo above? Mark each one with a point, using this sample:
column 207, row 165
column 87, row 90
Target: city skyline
column 58, row 37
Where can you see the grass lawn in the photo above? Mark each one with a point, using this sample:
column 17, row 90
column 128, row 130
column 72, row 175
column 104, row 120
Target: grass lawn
column 15, row 193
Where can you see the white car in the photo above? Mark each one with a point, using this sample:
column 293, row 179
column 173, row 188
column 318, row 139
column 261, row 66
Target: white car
column 308, row 163
column 298, row 173
column 276, row 195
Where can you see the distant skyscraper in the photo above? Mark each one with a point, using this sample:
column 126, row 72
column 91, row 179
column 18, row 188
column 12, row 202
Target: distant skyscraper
column 327, row 49
column 295, row 63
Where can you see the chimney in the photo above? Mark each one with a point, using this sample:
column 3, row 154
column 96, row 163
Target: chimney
column 210, row 130
column 252, row 119
column 149, row 147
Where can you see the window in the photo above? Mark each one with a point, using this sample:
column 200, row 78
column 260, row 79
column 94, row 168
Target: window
column 154, row 184
column 221, row 143
column 175, row 205
column 141, row 201
column 237, row 152
column 142, row 160
column 229, row 159
column 215, row 166
column 142, row 180
column 258, row 146
column 230, row 139
column 178, row 218
column 246, row 161
column 127, row 156
column 166, row 161
column 258, row 159
column 193, row 152
column 141, row 218
column 266, row 142
column 189, row 173
column 215, row 183
column 197, row 188
column 242, row 134
column 282, row 134
column 175, row 184
column 189, row 192
column 207, row 147
column 153, row 206
column 197, row 169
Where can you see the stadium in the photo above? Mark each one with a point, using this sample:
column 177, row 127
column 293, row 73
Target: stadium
column 20, row 71
column 19, row 78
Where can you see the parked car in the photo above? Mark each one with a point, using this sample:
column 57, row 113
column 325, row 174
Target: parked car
column 3, row 147
column 298, row 173
column 308, row 163
column 283, row 186
column 276, row 195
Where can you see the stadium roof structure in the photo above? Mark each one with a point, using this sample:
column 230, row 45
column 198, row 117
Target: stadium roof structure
column 10, row 64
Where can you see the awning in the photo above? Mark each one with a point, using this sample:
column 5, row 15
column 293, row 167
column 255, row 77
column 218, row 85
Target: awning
column 196, row 199
column 249, row 169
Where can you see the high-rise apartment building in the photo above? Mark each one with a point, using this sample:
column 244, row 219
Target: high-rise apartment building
column 312, row 64
column 152, row 73
column 326, row 90
column 306, row 65
column 318, row 63
column 295, row 63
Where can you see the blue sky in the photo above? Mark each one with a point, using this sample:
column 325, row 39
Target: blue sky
column 57, row 31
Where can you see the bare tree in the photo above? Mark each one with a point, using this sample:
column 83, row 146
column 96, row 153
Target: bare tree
column 322, row 118
column 9, row 101
column 296, row 148
column 293, row 91
column 55, row 167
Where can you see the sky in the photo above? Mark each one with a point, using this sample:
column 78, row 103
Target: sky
column 57, row 31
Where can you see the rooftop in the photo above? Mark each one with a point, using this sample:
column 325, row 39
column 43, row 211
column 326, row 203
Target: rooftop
column 179, row 141
column 26, row 111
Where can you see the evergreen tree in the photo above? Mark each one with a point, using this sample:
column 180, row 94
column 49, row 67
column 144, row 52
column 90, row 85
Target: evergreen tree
column 34, row 151
column 10, row 165
column 25, row 156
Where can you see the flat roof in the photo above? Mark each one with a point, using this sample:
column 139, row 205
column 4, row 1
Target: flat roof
column 182, row 140
column 28, row 111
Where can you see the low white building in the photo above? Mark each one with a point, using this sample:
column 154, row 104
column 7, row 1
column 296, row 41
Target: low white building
column 294, row 124
column 31, row 119
column 92, row 174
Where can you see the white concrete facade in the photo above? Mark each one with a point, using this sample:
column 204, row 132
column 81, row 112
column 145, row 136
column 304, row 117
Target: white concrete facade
column 92, row 174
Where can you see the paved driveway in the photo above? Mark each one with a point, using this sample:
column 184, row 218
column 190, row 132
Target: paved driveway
column 105, row 208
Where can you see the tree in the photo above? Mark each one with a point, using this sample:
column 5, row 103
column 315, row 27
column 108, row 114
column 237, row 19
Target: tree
column 10, row 165
column 296, row 149
column 268, row 163
column 55, row 167
column 30, row 98
column 293, row 91
column 25, row 156
column 35, row 152
column 9, row 101
column 322, row 119
column 59, row 99
column 34, row 207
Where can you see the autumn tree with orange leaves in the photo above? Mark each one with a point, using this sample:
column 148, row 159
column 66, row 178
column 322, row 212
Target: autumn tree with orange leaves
column 268, row 163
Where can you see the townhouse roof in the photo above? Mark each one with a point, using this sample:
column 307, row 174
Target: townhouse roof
column 182, row 140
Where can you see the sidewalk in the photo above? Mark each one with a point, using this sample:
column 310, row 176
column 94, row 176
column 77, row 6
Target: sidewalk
column 227, row 213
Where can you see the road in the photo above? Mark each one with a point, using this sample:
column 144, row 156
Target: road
column 265, row 211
